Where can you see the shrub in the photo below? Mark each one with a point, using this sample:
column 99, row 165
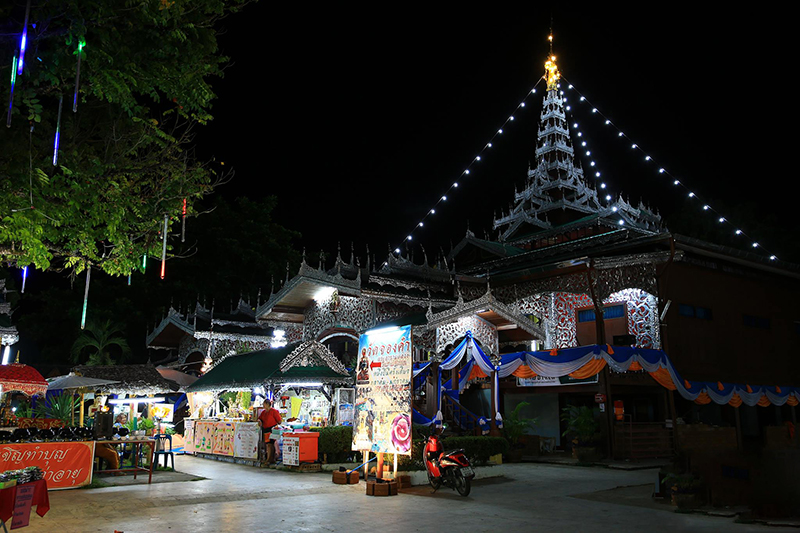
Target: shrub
column 336, row 442
column 478, row 449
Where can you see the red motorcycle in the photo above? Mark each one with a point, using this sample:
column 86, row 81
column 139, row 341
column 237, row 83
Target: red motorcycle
column 451, row 469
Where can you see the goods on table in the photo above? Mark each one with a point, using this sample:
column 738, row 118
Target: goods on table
column 33, row 434
column 10, row 478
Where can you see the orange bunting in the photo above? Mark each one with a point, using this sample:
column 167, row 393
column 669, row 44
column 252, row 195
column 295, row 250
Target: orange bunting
column 589, row 369
column 748, row 389
column 609, row 349
column 687, row 384
column 476, row 373
column 524, row 371
column 554, row 352
column 777, row 389
column 635, row 366
column 663, row 378
column 764, row 402
column 735, row 400
column 720, row 386
column 792, row 400
column 703, row 399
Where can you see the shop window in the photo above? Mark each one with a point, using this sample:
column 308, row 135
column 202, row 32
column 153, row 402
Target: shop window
column 757, row 322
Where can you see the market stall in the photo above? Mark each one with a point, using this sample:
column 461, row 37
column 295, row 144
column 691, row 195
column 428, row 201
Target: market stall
column 300, row 379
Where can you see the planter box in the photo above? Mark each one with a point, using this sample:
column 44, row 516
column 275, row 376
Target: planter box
column 687, row 500
column 388, row 488
column 342, row 478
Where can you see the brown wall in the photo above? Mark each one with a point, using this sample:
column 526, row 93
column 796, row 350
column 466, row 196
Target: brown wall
column 723, row 348
column 586, row 332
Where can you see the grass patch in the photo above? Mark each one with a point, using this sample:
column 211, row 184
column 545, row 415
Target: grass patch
column 96, row 484
column 164, row 469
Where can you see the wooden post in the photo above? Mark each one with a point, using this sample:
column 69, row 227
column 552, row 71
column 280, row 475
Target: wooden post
column 72, row 410
column 738, row 417
column 674, row 414
column 395, row 467
column 366, row 464
column 82, row 403
column 600, row 332
column 379, row 469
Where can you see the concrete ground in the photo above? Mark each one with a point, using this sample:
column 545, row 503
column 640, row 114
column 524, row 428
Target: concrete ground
column 237, row 498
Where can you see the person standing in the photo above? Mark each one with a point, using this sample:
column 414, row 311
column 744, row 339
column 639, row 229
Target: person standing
column 268, row 419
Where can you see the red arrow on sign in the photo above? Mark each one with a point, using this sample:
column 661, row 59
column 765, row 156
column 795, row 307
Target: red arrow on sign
column 373, row 365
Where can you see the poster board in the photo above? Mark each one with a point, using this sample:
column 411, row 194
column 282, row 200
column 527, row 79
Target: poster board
column 66, row 465
column 383, row 392
column 222, row 440
column 204, row 436
column 188, row 435
column 245, row 444
column 291, row 451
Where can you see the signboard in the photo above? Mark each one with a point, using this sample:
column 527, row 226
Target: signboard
column 188, row 435
column 65, row 465
column 204, row 436
column 222, row 440
column 599, row 398
column 245, row 444
column 162, row 411
column 22, row 506
column 291, row 451
column 383, row 392
column 541, row 381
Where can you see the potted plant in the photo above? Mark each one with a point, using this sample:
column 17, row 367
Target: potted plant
column 514, row 427
column 685, row 490
column 583, row 430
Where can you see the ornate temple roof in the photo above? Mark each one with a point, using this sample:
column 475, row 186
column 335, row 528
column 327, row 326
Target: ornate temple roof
column 556, row 194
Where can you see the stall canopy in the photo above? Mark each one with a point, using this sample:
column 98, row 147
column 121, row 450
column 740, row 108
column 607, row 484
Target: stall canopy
column 181, row 378
column 22, row 378
column 308, row 361
column 135, row 380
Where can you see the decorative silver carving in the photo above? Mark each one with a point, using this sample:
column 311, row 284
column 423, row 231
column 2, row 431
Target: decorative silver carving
column 354, row 313
column 482, row 331
column 312, row 353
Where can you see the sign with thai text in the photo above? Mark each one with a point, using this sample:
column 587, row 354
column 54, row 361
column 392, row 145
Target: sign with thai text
column 541, row 381
column 65, row 465
column 383, row 392
column 246, row 438
column 22, row 506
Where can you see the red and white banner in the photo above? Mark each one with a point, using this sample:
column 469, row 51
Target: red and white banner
column 66, row 465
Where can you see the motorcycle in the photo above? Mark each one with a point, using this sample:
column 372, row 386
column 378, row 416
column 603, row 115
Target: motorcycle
column 451, row 469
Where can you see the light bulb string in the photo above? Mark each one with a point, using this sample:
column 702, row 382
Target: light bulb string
column 486, row 146
column 675, row 180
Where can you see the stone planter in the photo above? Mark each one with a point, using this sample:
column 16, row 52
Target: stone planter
column 687, row 500
column 585, row 454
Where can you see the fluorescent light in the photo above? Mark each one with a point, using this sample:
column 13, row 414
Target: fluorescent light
column 136, row 400
column 7, row 355
column 323, row 293
column 381, row 331
column 300, row 384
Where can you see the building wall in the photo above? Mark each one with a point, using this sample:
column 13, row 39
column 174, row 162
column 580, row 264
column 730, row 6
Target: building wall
column 723, row 346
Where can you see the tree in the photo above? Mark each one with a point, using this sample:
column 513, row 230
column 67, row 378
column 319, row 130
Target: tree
column 97, row 340
column 123, row 162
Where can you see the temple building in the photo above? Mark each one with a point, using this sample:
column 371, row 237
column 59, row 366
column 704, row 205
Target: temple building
column 569, row 267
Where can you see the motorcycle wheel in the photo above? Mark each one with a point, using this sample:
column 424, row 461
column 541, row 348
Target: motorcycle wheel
column 463, row 485
column 435, row 482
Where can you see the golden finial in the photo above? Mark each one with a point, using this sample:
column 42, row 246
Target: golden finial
column 551, row 69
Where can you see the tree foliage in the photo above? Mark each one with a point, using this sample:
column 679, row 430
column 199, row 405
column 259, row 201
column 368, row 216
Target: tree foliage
column 123, row 160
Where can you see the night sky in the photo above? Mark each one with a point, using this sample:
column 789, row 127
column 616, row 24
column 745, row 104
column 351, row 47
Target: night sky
column 359, row 120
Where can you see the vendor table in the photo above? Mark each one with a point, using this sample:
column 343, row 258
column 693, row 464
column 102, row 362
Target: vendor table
column 66, row 465
column 9, row 500
column 136, row 446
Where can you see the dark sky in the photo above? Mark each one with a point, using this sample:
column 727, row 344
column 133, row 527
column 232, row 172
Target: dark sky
column 359, row 119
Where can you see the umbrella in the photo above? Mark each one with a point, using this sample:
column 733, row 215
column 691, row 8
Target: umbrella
column 73, row 381
column 181, row 378
column 23, row 378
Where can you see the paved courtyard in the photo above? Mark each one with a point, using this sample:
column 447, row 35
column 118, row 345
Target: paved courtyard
column 235, row 498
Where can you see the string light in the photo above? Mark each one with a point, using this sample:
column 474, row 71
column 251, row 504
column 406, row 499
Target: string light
column 11, row 96
column 476, row 159
column 662, row 170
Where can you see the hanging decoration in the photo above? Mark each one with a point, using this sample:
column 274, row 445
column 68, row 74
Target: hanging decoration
column 164, row 248
column 11, row 96
column 86, row 295
column 58, row 130
column 81, row 44
column 129, row 280
column 183, row 222
column 23, row 42
column 24, row 278
column 144, row 263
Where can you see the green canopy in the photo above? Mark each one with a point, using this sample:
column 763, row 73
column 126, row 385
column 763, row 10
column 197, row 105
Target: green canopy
column 262, row 367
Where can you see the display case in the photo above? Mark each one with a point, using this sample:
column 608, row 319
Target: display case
column 345, row 406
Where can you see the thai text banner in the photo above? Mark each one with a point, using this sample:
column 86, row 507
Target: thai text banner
column 383, row 392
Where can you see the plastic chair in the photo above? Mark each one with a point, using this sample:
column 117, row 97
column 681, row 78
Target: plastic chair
column 161, row 449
